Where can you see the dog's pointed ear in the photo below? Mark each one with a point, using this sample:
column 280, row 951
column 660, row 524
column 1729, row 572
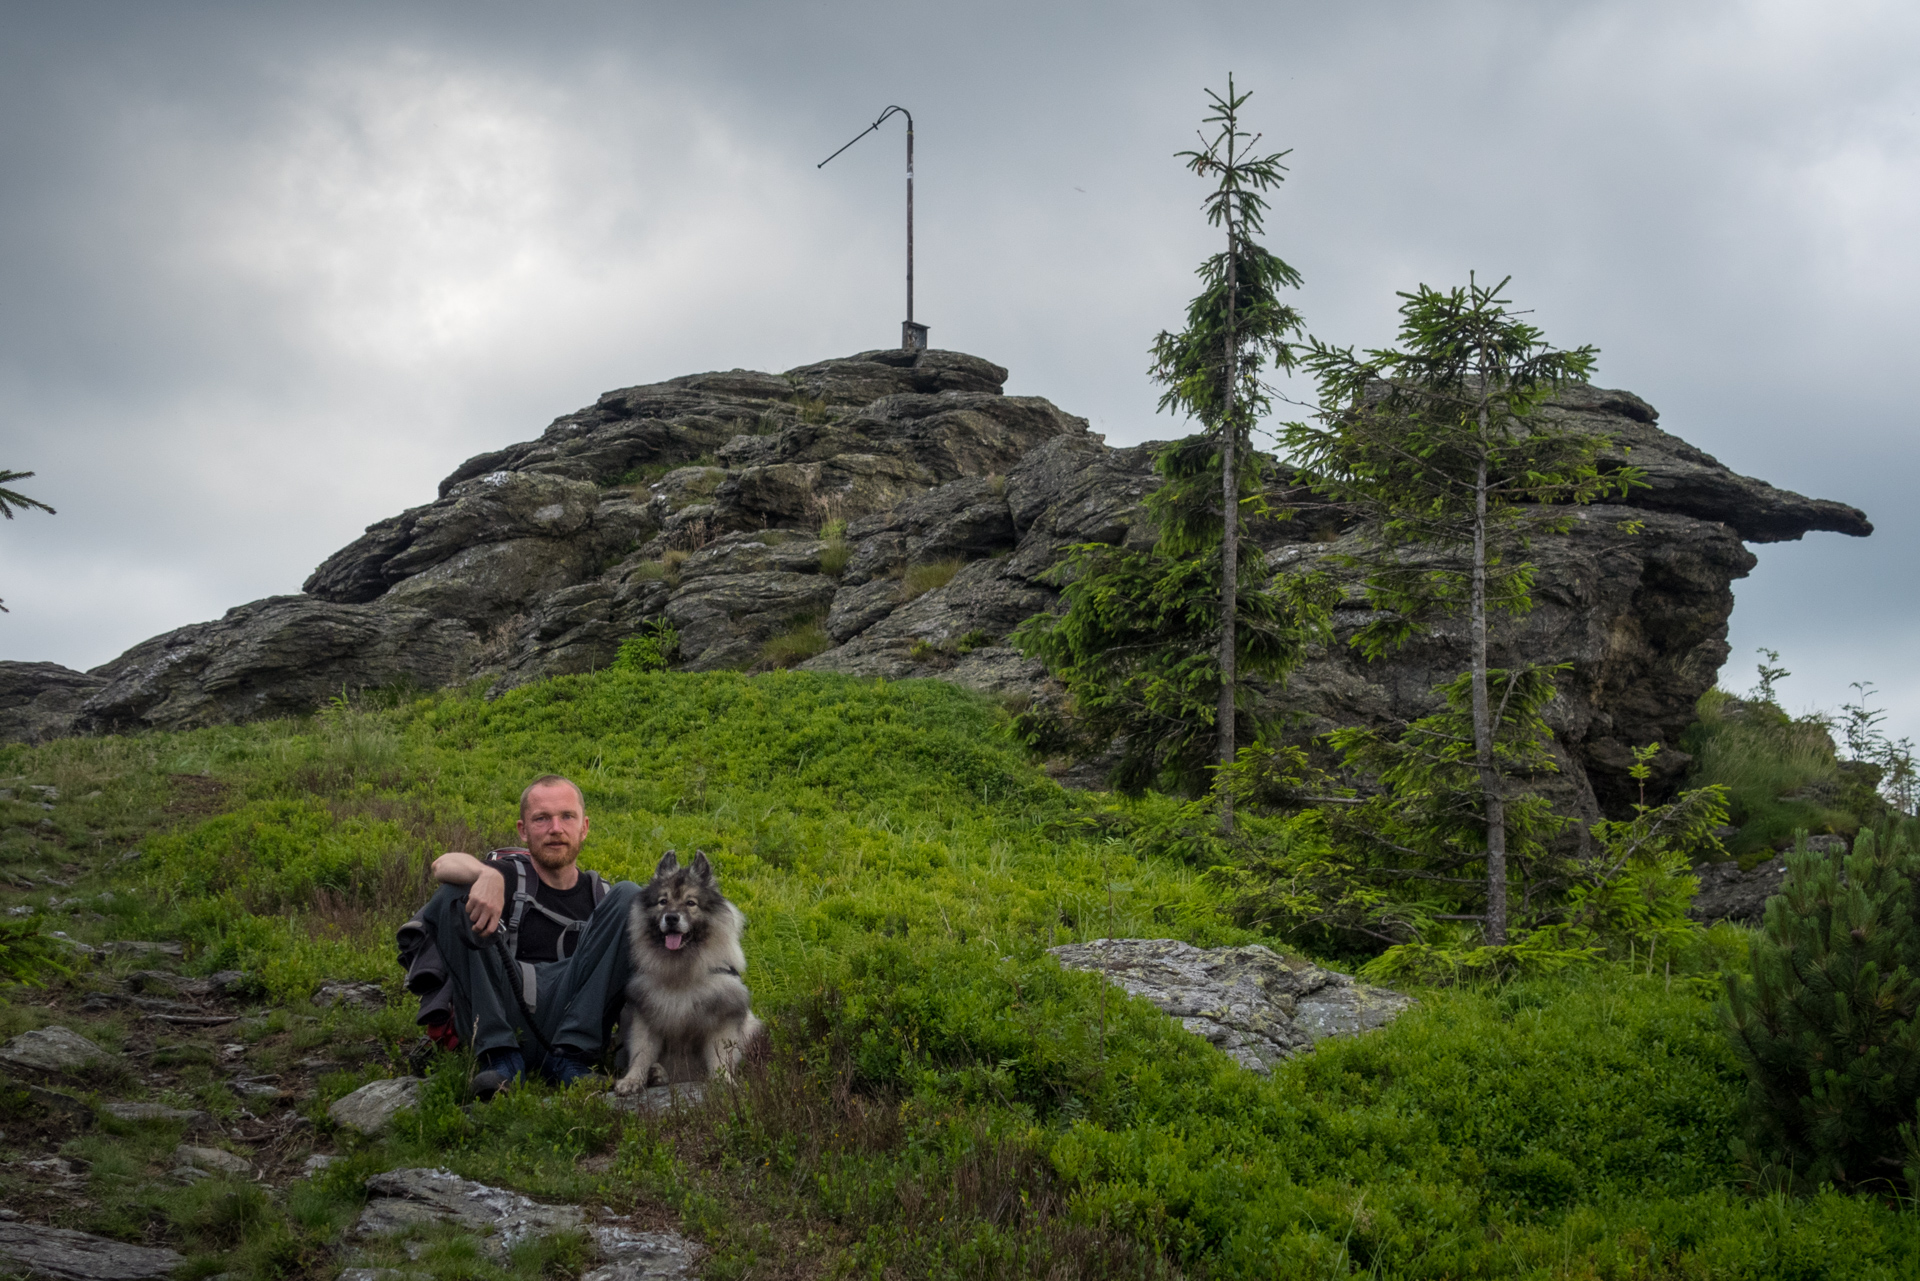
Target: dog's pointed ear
column 669, row 864
column 701, row 868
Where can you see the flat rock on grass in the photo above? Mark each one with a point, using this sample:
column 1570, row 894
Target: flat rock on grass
column 1254, row 1005
column 51, row 1049
column 58, row 1254
column 399, row 1199
column 371, row 1108
column 501, row 1219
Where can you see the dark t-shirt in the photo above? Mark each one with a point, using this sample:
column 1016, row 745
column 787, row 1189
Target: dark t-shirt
column 540, row 935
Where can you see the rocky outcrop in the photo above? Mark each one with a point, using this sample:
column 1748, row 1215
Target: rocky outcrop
column 894, row 514
column 1250, row 1003
column 38, row 701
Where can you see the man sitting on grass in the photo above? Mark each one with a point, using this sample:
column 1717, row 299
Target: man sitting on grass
column 533, row 948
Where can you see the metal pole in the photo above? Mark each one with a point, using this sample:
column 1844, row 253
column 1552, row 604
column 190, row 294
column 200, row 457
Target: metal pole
column 912, row 337
column 909, row 117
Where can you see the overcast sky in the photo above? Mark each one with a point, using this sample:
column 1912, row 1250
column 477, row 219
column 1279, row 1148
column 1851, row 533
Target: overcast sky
column 268, row 271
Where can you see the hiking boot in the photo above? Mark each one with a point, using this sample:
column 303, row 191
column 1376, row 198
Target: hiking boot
column 564, row 1070
column 499, row 1070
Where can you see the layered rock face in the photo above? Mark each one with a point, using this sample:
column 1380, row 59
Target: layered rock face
column 893, row 514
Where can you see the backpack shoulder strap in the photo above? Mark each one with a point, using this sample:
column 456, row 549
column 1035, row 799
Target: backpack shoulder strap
column 599, row 884
column 520, row 892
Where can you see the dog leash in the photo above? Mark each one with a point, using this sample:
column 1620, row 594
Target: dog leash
column 510, row 967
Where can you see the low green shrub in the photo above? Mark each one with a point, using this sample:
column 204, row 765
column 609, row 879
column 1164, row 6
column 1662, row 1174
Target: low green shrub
column 652, row 649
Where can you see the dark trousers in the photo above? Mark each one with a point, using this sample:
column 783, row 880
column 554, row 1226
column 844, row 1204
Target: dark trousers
column 577, row 1000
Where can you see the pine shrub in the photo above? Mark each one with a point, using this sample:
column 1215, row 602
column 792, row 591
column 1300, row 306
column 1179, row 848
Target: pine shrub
column 1826, row 1025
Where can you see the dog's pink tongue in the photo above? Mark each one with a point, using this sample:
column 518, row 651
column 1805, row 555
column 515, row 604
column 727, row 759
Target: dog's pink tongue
column 674, row 941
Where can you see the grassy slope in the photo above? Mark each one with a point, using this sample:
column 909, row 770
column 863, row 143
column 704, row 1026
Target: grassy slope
column 943, row 1099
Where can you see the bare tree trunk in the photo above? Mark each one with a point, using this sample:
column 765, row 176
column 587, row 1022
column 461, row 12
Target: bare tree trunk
column 1483, row 727
column 1229, row 534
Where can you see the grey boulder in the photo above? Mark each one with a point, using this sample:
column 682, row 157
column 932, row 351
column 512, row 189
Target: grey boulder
column 1252, row 1004
column 51, row 1049
column 371, row 1108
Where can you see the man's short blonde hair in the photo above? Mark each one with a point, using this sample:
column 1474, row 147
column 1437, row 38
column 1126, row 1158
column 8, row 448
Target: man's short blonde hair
column 548, row 780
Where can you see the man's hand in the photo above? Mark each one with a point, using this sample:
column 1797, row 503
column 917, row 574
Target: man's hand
column 486, row 889
column 486, row 900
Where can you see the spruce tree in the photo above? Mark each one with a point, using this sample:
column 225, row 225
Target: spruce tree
column 1435, row 452
column 1826, row 1025
column 1236, row 326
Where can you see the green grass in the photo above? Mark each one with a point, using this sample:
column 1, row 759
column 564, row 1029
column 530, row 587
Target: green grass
column 1781, row 774
column 941, row 1099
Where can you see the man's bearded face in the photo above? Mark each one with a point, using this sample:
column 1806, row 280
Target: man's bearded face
column 554, row 825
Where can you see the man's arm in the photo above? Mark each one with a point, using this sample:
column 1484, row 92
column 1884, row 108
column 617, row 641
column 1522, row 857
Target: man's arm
column 486, row 889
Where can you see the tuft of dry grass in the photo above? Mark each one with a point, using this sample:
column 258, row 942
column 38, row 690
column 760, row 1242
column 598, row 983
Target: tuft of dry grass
column 791, row 648
column 834, row 557
column 918, row 580
column 650, row 571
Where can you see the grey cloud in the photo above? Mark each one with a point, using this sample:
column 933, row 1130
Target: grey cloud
column 272, row 270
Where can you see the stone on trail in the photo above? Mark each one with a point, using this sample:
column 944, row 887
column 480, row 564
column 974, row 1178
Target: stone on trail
column 57, row 1254
column 149, row 1112
column 1252, row 1004
column 383, row 1274
column 211, row 1160
column 51, row 1049
column 371, row 1108
column 361, row 996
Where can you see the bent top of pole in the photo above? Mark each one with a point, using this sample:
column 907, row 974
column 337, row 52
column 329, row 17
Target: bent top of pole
column 870, row 128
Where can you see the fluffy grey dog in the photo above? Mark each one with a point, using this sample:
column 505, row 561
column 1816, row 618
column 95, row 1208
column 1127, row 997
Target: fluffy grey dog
column 687, row 1009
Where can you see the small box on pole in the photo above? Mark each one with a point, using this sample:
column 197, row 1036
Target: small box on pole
column 913, row 337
